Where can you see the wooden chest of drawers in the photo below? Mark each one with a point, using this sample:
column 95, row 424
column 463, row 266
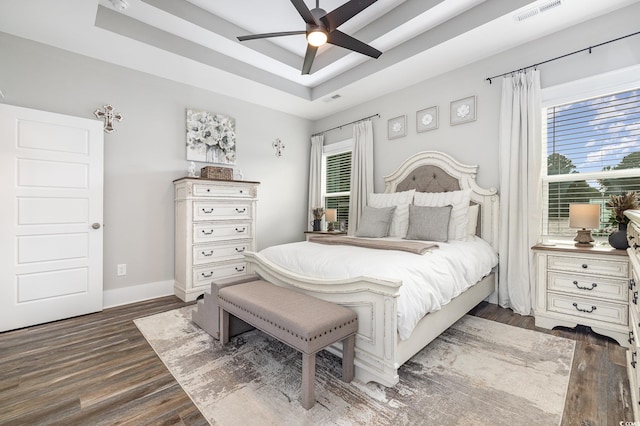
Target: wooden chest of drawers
column 215, row 223
column 583, row 286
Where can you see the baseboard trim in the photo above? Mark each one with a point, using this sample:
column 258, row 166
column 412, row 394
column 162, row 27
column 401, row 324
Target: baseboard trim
column 136, row 293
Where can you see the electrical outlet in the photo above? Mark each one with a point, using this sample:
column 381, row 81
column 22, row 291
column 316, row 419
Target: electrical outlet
column 122, row 269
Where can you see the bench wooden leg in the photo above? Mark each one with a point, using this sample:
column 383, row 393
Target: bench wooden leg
column 348, row 355
column 224, row 326
column 308, row 380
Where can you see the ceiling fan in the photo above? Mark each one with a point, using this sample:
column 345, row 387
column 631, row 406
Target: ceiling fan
column 322, row 28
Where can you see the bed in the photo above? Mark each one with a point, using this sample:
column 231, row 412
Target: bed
column 379, row 349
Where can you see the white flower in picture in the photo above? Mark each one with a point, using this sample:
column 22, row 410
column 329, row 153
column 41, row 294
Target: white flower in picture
column 427, row 119
column 463, row 110
column 211, row 138
column 397, row 127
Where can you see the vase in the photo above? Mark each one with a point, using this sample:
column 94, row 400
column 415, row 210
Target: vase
column 317, row 224
column 618, row 239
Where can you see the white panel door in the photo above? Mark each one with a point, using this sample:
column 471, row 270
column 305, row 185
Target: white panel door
column 51, row 180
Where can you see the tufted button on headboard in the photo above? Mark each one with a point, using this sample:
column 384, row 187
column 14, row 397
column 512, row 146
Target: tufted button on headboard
column 429, row 178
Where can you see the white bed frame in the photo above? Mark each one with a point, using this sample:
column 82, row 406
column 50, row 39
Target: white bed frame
column 379, row 350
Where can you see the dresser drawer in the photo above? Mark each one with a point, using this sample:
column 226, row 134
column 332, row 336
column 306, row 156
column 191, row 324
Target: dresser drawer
column 208, row 232
column 208, row 253
column 596, row 310
column 203, row 275
column 589, row 265
column 203, row 210
column 204, row 190
column 589, row 286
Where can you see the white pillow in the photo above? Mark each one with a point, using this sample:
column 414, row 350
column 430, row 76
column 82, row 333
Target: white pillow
column 460, row 202
column 472, row 221
column 401, row 200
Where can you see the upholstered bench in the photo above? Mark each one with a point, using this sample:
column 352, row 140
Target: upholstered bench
column 303, row 322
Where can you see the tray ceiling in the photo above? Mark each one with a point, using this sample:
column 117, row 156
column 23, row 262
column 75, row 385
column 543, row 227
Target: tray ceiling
column 194, row 42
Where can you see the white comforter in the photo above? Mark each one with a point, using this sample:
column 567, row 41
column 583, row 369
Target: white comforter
column 429, row 281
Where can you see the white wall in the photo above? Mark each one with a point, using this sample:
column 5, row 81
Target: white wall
column 147, row 152
column 477, row 142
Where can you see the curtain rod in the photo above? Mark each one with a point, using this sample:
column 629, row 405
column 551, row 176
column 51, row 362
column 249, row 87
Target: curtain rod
column 562, row 56
column 342, row 125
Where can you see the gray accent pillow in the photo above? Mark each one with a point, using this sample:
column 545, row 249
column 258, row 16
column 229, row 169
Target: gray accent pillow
column 429, row 223
column 375, row 222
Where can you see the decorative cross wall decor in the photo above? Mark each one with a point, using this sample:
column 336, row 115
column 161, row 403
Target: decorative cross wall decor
column 278, row 146
column 108, row 115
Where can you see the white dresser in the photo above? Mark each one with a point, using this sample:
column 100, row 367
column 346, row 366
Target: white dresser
column 633, row 236
column 587, row 286
column 215, row 222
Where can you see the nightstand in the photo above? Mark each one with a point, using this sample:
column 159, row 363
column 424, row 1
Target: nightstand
column 309, row 234
column 587, row 286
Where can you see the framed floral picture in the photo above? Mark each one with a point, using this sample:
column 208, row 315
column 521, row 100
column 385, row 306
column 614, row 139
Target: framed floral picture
column 397, row 127
column 427, row 119
column 211, row 138
column 463, row 111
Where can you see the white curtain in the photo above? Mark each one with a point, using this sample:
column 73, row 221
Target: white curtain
column 361, row 171
column 315, row 176
column 520, row 167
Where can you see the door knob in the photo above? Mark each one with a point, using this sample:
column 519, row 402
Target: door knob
column 95, row 225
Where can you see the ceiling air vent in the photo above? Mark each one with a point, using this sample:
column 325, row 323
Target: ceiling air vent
column 544, row 7
column 332, row 98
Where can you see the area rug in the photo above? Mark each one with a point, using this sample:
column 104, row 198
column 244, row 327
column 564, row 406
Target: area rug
column 479, row 372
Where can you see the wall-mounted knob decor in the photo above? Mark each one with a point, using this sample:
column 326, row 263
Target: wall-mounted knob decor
column 278, row 146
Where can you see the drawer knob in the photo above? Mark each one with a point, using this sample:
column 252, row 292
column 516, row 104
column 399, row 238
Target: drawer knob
column 585, row 266
column 633, row 359
column 242, row 191
column 593, row 308
column 635, row 298
column 242, row 210
column 240, row 229
column 209, row 232
column 593, row 285
column 205, row 211
column 240, row 269
column 630, row 340
column 209, row 275
column 635, row 246
column 208, row 189
column 240, row 249
column 208, row 254
column 632, row 283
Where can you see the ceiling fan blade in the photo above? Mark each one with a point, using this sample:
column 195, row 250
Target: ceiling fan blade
column 341, row 39
column 304, row 11
column 308, row 59
column 342, row 14
column 267, row 35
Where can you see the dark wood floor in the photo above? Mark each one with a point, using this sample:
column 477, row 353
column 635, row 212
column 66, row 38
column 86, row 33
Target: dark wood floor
column 98, row 369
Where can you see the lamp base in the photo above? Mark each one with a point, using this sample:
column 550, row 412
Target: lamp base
column 583, row 238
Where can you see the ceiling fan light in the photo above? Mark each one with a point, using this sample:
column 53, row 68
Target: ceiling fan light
column 317, row 38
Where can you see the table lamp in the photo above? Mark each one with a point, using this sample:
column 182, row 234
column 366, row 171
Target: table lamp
column 587, row 217
column 330, row 216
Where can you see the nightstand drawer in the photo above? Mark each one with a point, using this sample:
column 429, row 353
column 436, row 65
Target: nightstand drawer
column 584, row 285
column 216, row 252
column 596, row 310
column 217, row 211
column 204, row 275
column 207, row 232
column 589, row 265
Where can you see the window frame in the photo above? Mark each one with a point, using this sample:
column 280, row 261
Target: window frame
column 329, row 150
column 617, row 81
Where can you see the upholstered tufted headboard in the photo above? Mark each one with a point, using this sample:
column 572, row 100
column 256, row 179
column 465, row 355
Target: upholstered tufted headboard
column 433, row 171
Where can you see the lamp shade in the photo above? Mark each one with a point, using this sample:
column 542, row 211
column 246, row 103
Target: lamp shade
column 586, row 216
column 330, row 215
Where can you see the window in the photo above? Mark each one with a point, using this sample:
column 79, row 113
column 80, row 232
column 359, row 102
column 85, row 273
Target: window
column 593, row 151
column 336, row 178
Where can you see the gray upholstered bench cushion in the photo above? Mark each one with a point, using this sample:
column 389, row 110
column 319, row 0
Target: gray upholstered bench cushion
column 304, row 322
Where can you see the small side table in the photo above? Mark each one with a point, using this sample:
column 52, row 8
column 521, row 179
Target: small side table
column 309, row 234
